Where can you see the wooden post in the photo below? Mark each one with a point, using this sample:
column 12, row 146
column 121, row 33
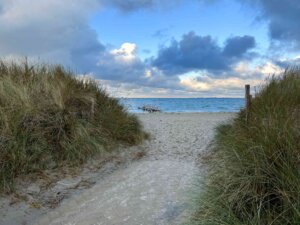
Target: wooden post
column 247, row 100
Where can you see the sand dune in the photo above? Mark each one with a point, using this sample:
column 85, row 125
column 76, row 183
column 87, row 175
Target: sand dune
column 153, row 190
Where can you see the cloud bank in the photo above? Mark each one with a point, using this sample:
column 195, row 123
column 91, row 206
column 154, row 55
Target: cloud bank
column 59, row 32
column 282, row 18
column 56, row 31
column 195, row 52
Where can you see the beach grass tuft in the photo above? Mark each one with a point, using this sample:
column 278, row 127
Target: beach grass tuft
column 48, row 115
column 254, row 167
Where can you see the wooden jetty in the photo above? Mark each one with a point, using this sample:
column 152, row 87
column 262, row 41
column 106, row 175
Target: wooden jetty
column 149, row 108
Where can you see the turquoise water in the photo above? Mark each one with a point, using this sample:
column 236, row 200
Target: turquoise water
column 185, row 104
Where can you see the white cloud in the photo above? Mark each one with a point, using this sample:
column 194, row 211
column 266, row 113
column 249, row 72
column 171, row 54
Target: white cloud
column 148, row 73
column 270, row 69
column 231, row 85
column 264, row 70
column 127, row 52
column 210, row 84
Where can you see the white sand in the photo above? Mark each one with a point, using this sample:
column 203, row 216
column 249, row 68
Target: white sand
column 153, row 190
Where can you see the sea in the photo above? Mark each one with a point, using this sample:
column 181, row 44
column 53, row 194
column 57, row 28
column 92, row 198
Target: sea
column 185, row 104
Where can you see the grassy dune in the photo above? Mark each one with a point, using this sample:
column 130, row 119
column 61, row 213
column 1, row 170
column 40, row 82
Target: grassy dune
column 47, row 115
column 254, row 170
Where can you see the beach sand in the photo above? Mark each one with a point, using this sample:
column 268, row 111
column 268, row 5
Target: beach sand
column 152, row 190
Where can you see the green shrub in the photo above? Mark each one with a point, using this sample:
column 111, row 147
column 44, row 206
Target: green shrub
column 254, row 173
column 47, row 114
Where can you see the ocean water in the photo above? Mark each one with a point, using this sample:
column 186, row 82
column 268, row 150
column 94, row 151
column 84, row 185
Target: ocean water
column 185, row 104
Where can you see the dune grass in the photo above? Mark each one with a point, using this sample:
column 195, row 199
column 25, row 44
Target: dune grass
column 48, row 115
column 254, row 167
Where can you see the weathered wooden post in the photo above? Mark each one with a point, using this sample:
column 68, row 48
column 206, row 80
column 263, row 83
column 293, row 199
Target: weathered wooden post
column 248, row 98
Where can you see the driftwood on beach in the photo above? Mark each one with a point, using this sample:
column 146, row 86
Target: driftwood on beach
column 149, row 108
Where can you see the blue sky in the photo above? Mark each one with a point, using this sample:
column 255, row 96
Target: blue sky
column 157, row 48
column 151, row 28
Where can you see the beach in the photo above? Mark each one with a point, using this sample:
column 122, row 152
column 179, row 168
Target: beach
column 153, row 189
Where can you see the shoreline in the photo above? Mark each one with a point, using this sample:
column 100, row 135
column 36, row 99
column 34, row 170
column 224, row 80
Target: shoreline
column 188, row 112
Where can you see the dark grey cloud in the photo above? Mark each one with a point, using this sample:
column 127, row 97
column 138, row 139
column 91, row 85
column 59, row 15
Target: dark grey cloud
column 291, row 63
column 85, row 54
column 135, row 5
column 109, row 68
column 130, row 5
column 192, row 52
column 195, row 52
column 237, row 46
column 134, row 71
column 60, row 34
column 283, row 18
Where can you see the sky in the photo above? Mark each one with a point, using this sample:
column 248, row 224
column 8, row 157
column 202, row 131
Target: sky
column 157, row 48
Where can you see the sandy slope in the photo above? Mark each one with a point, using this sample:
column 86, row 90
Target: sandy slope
column 153, row 190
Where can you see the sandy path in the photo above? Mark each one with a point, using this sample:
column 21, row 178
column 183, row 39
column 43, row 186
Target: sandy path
column 153, row 190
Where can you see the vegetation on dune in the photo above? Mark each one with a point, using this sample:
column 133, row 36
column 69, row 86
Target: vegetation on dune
column 48, row 115
column 254, row 169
